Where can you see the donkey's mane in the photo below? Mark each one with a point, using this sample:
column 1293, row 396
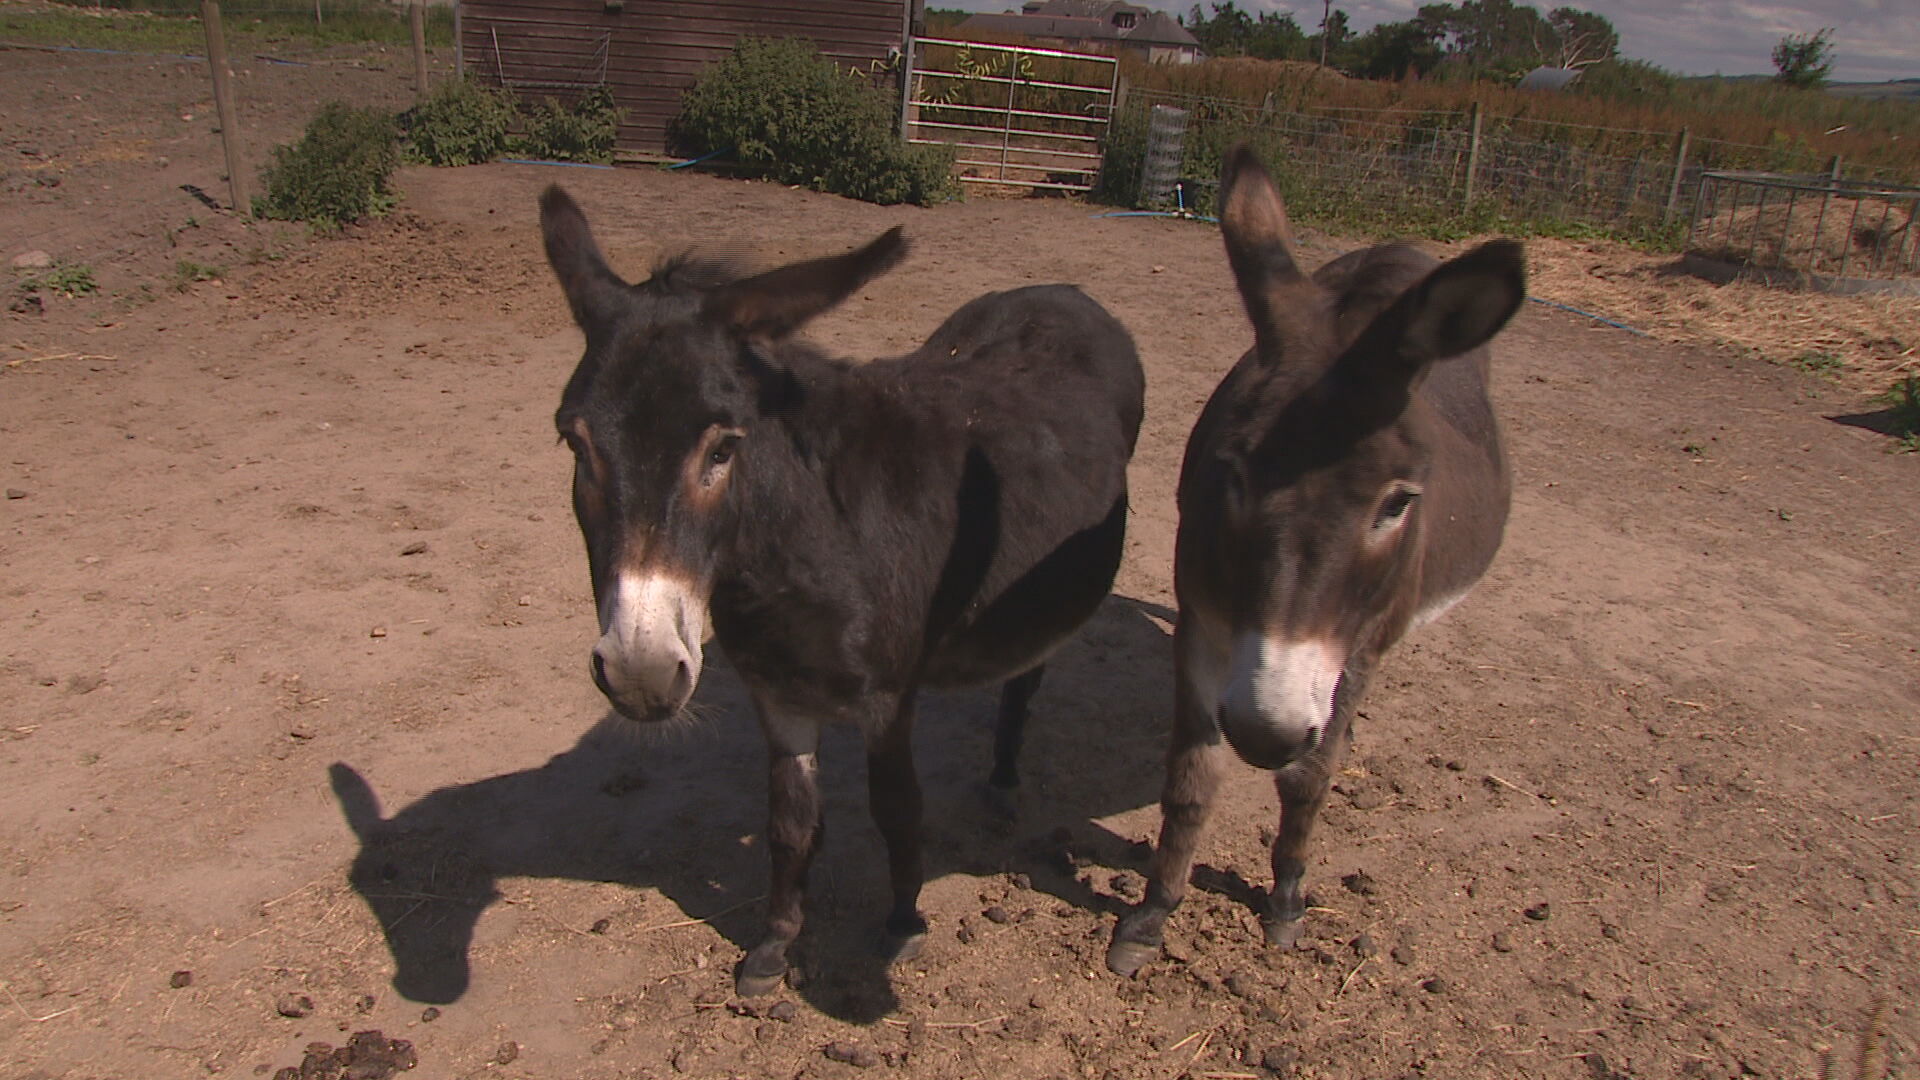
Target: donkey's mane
column 687, row 271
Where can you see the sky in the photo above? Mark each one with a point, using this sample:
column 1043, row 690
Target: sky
column 1873, row 39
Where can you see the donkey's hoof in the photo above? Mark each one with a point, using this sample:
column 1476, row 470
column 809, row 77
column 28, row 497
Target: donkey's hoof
column 761, row 972
column 901, row 948
column 1126, row 958
column 746, row 985
column 1282, row 934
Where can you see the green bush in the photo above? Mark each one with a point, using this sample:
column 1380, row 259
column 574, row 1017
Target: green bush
column 582, row 131
column 338, row 172
column 790, row 114
column 463, row 123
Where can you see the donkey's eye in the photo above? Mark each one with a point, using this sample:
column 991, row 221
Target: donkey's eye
column 722, row 450
column 1395, row 505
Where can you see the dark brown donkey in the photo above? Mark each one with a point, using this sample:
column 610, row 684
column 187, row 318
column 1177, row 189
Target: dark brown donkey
column 1344, row 483
column 849, row 532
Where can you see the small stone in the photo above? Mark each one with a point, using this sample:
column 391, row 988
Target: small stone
column 364, row 1003
column 32, row 260
column 1611, row 932
column 85, row 684
column 1279, row 1058
column 1359, row 883
column 1363, row 945
column 1239, row 985
column 16, row 493
column 536, row 516
column 783, row 1011
column 181, row 980
column 1436, row 985
column 965, row 934
column 1456, row 766
column 293, row 1006
column 600, row 926
column 508, row 1051
column 429, row 1014
column 1159, row 269
column 997, row 914
column 377, row 632
column 1402, row 954
column 414, row 548
column 288, row 1073
column 1539, row 912
column 1502, row 942
column 525, row 601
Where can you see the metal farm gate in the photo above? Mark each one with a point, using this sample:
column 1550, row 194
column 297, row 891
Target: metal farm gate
column 1014, row 115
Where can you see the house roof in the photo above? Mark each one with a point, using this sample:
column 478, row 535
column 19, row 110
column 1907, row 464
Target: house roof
column 1087, row 20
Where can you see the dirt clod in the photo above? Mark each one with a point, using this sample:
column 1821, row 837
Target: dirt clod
column 600, row 926
column 1502, row 942
column 16, row 493
column 783, row 1011
column 997, row 914
column 508, row 1052
column 181, row 980
column 1279, row 1058
column 1402, row 954
column 293, row 1006
column 429, row 1014
column 857, row 1056
column 966, row 935
column 1539, row 912
column 368, row 1055
column 1436, row 985
column 1363, row 945
column 1359, row 883
column 415, row 548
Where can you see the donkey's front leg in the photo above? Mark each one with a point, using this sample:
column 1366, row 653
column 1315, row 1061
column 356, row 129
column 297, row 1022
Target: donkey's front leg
column 1186, row 800
column 893, row 796
column 794, row 832
column 1302, row 786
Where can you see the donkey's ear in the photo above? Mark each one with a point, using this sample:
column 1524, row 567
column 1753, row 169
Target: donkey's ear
column 778, row 302
column 1456, row 308
column 592, row 288
column 1254, row 222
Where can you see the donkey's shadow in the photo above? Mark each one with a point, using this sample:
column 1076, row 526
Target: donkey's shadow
column 684, row 814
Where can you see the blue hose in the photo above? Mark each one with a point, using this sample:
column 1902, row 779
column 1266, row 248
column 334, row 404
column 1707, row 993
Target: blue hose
column 1590, row 315
column 701, row 158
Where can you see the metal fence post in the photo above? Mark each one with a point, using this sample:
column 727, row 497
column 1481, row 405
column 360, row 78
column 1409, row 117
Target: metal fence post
column 223, row 103
column 1473, row 156
column 417, row 17
column 1679, row 170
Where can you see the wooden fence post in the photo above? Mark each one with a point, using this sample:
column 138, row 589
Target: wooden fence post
column 907, row 115
column 417, row 16
column 1679, row 170
column 223, row 103
column 1473, row 156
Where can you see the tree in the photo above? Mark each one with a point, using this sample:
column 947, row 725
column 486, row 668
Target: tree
column 1580, row 38
column 1391, row 50
column 1804, row 59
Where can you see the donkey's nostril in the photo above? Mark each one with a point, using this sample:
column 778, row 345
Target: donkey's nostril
column 598, row 665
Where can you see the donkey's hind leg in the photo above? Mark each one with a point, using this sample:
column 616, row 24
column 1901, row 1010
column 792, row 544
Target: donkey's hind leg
column 1011, row 730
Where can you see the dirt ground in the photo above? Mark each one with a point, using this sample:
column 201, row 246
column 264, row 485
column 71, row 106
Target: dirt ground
column 294, row 622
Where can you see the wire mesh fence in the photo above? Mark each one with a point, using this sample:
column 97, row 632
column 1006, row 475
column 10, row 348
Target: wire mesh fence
column 1452, row 171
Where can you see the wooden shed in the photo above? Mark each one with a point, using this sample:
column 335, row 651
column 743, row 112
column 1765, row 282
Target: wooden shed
column 648, row 52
